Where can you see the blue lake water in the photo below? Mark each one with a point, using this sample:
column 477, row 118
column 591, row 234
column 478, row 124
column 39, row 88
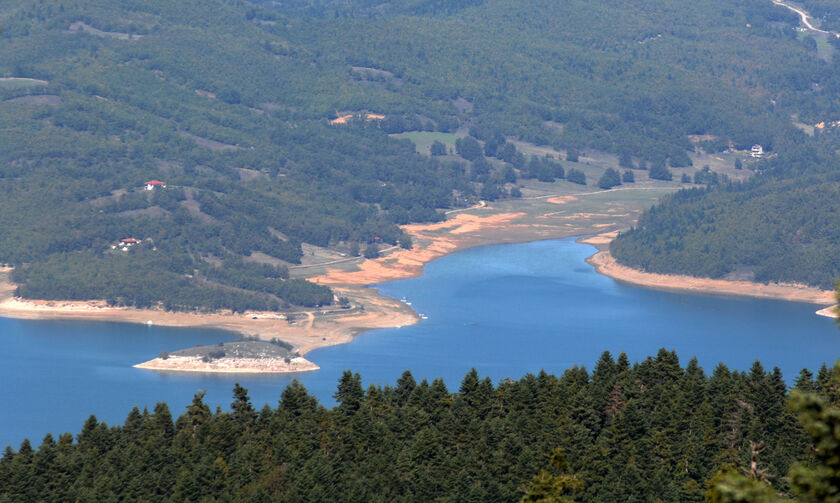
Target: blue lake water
column 506, row 310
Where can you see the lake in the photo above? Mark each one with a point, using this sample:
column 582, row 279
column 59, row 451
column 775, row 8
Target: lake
column 506, row 310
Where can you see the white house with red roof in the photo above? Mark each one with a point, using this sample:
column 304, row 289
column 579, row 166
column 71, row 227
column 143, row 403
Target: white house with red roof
column 125, row 244
column 154, row 184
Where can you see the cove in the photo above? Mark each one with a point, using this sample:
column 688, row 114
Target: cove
column 505, row 309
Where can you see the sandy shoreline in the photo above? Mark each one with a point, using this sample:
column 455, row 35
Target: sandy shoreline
column 462, row 231
column 305, row 334
column 606, row 264
column 229, row 365
column 316, row 328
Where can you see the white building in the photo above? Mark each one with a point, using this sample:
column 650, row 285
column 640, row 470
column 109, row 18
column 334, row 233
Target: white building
column 153, row 184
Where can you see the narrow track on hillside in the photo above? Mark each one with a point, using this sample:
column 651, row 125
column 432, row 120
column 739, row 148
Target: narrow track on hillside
column 340, row 261
column 803, row 15
column 596, row 192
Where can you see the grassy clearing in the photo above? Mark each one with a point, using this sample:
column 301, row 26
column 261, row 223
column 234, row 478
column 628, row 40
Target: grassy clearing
column 423, row 140
column 824, row 49
column 17, row 83
column 238, row 349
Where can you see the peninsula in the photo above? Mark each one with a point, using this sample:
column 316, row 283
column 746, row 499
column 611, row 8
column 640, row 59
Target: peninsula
column 546, row 211
column 239, row 357
column 607, row 265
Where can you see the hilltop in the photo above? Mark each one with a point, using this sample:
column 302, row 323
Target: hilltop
column 233, row 105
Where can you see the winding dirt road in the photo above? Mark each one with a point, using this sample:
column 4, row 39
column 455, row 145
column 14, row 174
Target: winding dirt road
column 804, row 17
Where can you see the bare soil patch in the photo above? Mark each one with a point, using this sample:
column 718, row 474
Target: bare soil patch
column 561, row 199
column 205, row 94
column 344, row 118
column 37, row 100
column 234, row 365
column 248, row 175
column 81, row 27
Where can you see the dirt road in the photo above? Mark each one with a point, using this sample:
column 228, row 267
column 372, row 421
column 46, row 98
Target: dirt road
column 804, row 17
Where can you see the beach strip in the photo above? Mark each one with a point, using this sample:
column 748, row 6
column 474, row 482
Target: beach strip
column 606, row 264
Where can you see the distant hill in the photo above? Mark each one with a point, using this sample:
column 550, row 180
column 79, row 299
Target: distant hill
column 229, row 103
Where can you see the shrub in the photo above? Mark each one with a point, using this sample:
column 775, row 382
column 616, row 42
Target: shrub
column 609, row 179
column 576, row 176
column 372, row 251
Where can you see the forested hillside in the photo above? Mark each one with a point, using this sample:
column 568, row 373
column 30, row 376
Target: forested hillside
column 650, row 431
column 782, row 225
column 230, row 103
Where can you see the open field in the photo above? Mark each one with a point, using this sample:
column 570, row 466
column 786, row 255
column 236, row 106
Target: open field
column 15, row 82
column 594, row 163
column 549, row 211
column 81, row 27
column 591, row 162
column 423, row 140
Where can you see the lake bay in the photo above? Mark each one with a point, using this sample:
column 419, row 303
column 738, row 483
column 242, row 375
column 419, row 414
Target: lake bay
column 506, row 310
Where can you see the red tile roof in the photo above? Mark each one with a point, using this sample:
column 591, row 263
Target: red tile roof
column 129, row 240
column 155, row 182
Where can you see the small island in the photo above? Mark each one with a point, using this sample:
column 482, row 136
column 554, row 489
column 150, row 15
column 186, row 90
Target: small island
column 240, row 357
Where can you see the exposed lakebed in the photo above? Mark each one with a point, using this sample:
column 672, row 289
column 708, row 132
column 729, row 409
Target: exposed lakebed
column 506, row 310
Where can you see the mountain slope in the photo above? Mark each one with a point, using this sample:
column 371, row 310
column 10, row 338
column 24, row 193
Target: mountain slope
column 228, row 102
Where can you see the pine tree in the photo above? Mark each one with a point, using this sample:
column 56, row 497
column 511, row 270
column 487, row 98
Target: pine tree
column 243, row 411
column 350, row 393
column 609, row 179
column 805, row 382
column 405, row 385
column 296, row 401
column 557, row 487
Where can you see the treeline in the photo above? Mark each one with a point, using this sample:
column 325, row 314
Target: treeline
column 647, row 431
column 270, row 280
column 143, row 278
column 244, row 174
column 229, row 103
column 782, row 225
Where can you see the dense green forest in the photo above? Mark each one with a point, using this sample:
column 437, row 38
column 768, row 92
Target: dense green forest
column 781, row 225
column 229, row 102
column 647, row 431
